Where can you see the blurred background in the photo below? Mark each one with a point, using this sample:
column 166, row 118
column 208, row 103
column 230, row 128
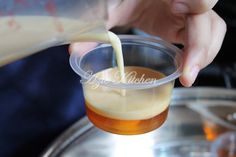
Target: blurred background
column 40, row 96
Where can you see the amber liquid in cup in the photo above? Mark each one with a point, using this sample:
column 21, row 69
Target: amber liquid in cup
column 138, row 111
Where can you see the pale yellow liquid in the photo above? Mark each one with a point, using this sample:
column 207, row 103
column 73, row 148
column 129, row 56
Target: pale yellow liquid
column 21, row 36
column 136, row 104
column 136, row 112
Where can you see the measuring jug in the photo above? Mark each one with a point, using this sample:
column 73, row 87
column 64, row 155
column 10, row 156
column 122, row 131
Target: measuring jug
column 28, row 26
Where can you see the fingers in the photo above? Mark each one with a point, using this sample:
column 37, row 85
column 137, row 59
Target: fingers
column 82, row 48
column 124, row 12
column 218, row 28
column 198, row 35
column 192, row 6
column 204, row 36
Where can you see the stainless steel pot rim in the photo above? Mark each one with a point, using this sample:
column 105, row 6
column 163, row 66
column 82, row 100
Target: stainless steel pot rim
column 188, row 94
column 202, row 93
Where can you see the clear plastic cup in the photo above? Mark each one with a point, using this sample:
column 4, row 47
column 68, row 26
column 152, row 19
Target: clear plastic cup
column 144, row 107
column 224, row 145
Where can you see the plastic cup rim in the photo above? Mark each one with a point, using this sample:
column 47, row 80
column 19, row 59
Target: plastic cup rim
column 75, row 61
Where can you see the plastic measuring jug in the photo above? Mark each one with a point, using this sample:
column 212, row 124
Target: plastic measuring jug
column 28, row 26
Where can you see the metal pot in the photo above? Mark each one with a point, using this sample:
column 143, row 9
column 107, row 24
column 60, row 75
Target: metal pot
column 184, row 133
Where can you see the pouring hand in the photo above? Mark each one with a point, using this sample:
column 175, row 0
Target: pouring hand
column 192, row 23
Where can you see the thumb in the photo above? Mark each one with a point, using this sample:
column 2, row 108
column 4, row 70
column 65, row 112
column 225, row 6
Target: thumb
column 192, row 6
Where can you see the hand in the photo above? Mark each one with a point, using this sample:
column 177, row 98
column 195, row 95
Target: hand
column 192, row 23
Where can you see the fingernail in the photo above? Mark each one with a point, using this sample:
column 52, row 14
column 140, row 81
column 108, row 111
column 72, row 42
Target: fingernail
column 180, row 8
column 193, row 73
